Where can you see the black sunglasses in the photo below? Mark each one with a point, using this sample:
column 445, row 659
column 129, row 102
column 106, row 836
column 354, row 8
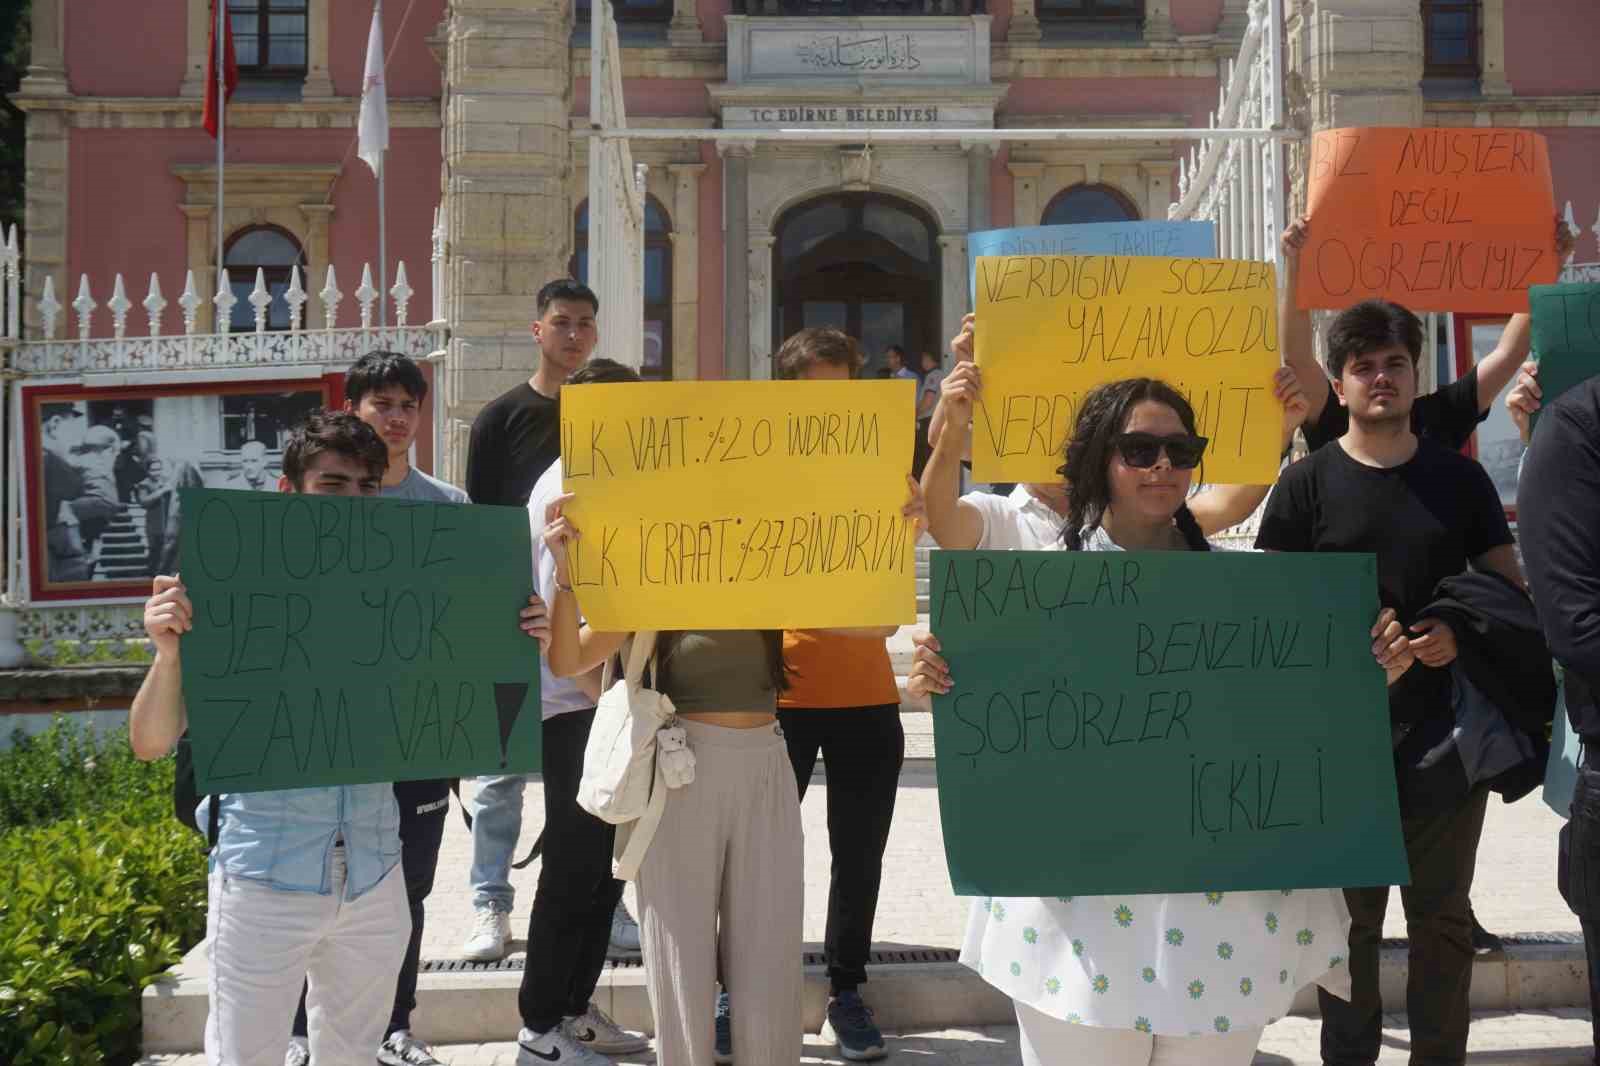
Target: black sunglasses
column 1143, row 450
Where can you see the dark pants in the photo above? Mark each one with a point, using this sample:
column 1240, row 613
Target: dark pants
column 570, row 928
column 424, row 807
column 862, row 748
column 1442, row 848
column 1579, row 878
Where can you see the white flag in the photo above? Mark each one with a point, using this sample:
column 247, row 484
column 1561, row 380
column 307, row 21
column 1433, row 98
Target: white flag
column 373, row 126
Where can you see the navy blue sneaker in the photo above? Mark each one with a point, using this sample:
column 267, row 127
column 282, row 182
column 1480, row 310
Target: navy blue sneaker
column 724, row 1050
column 852, row 1028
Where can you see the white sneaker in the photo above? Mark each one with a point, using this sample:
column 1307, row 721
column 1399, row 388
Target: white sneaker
column 595, row 1030
column 491, row 935
column 555, row 1048
column 624, row 931
column 299, row 1053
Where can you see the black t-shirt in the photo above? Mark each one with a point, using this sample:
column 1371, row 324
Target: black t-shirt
column 1424, row 520
column 1447, row 416
column 515, row 438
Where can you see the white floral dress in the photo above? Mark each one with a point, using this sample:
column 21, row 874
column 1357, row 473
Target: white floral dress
column 1187, row 964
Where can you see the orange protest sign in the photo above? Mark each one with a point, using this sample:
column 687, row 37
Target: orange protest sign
column 1436, row 219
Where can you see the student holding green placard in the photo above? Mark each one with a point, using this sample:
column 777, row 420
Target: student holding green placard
column 1189, row 978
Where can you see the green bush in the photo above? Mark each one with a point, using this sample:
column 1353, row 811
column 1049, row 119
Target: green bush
column 101, row 891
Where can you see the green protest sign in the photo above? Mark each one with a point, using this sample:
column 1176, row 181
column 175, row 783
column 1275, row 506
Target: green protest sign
column 1566, row 336
column 1162, row 722
column 340, row 640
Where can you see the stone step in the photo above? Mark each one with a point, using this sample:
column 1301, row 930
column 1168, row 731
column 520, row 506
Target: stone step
column 908, row 988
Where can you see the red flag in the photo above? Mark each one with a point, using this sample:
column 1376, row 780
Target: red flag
column 213, row 113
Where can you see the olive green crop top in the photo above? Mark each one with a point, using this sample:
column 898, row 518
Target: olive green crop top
column 719, row 670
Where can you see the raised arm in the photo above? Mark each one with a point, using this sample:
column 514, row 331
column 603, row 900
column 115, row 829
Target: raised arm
column 158, row 716
column 1295, row 338
column 574, row 647
column 954, row 523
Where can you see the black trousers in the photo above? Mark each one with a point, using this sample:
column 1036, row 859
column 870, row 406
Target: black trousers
column 1442, row 848
column 1579, row 878
column 424, row 807
column 862, row 748
column 570, row 928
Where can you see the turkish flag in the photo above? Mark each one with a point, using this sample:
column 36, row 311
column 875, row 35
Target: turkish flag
column 213, row 113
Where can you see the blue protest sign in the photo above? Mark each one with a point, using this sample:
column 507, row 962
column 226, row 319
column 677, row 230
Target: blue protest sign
column 1192, row 240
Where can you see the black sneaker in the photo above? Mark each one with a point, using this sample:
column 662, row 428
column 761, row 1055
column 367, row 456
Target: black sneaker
column 853, row 1029
column 723, row 1054
column 1483, row 941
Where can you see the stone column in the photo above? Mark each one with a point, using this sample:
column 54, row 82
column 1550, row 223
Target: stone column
column 44, row 209
column 1350, row 63
column 685, row 25
column 980, row 155
column 1158, row 187
column 507, row 165
column 317, row 217
column 47, row 58
column 1492, row 80
column 1158, row 22
column 319, row 83
column 685, row 269
column 1024, row 26
column 953, row 277
column 736, row 352
column 759, row 305
column 1025, row 206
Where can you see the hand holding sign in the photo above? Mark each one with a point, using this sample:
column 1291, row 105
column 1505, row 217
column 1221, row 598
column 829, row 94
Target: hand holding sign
column 1436, row 219
column 168, row 614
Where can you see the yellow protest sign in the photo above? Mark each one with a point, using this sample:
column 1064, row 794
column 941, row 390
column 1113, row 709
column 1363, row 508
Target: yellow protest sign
column 740, row 504
column 1050, row 328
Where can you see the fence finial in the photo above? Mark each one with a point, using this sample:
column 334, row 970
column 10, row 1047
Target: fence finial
column 120, row 306
column 366, row 294
column 402, row 293
column 154, row 304
column 190, row 302
column 83, row 307
column 224, row 301
column 13, row 257
column 49, row 307
column 295, row 297
column 330, row 299
column 261, row 300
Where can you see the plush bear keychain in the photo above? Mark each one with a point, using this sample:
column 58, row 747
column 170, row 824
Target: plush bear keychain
column 673, row 756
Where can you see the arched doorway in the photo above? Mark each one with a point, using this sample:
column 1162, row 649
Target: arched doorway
column 861, row 262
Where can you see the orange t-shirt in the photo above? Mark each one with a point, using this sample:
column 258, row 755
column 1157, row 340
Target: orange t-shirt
column 832, row 670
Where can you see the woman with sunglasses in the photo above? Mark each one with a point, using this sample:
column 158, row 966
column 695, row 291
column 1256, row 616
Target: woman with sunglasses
column 1154, row 979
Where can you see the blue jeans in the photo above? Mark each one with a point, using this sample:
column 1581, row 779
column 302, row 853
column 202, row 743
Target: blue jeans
column 496, row 808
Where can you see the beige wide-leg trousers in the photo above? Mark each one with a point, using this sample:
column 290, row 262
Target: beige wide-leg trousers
column 729, row 848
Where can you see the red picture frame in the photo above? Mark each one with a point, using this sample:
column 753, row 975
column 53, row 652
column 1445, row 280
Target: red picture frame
column 1495, row 444
column 108, row 460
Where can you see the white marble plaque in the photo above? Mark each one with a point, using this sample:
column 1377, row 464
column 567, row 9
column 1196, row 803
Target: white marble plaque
column 920, row 50
column 856, row 115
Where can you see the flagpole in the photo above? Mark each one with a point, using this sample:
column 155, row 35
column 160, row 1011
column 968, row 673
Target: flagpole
column 222, row 134
column 383, row 216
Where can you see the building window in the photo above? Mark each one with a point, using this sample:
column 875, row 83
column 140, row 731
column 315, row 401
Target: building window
column 656, row 362
column 1087, row 9
column 272, row 251
column 627, row 11
column 1450, row 38
column 269, row 37
column 1089, row 203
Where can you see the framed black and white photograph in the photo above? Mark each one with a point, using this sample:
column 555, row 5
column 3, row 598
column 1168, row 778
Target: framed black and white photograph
column 1496, row 444
column 104, row 467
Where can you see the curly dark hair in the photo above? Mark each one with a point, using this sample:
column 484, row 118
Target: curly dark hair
column 1102, row 415
column 332, row 431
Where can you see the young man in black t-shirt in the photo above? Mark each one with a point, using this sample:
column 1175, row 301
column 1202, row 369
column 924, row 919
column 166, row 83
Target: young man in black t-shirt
column 1448, row 416
column 1426, row 512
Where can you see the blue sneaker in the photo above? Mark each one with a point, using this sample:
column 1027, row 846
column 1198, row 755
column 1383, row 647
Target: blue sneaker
column 853, row 1030
column 724, row 1050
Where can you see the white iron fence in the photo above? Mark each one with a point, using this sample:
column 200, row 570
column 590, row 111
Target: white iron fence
column 145, row 348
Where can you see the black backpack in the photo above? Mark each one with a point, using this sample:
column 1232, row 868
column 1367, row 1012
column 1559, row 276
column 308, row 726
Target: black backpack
column 186, row 794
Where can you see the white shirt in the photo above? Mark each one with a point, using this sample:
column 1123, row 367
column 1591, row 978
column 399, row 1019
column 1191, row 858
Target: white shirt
column 558, row 695
column 1180, row 964
column 1018, row 522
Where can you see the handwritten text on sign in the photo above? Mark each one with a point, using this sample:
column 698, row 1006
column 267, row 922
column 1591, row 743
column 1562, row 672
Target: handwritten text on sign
column 1436, row 219
column 1050, row 328
column 1566, row 336
column 340, row 640
column 740, row 505
column 1190, row 721
column 1191, row 239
